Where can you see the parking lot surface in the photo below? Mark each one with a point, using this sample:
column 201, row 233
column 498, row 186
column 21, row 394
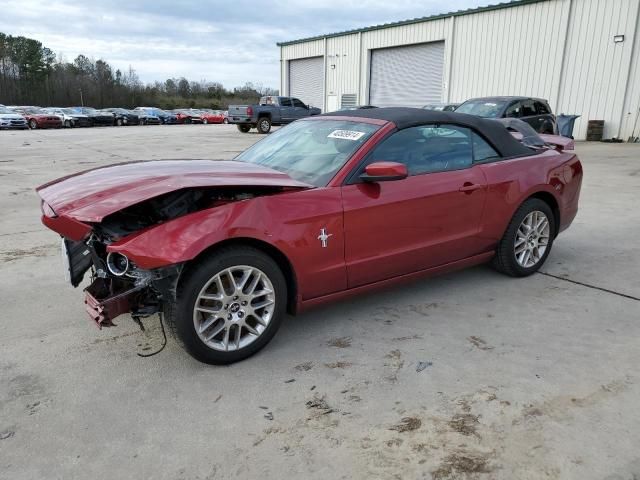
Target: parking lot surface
column 468, row 375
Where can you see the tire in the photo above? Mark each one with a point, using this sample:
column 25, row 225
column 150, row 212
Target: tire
column 182, row 317
column 515, row 264
column 67, row 124
column 225, row 121
column 264, row 125
column 244, row 128
column 118, row 122
column 142, row 122
column 205, row 121
column 33, row 124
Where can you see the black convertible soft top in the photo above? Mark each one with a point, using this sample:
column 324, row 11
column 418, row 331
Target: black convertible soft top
column 495, row 132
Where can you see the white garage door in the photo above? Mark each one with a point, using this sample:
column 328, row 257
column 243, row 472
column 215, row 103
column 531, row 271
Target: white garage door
column 407, row 76
column 306, row 78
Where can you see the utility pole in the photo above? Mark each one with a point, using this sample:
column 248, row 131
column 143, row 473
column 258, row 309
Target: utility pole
column 81, row 99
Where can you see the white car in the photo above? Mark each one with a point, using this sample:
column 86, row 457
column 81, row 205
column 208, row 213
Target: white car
column 69, row 117
column 12, row 120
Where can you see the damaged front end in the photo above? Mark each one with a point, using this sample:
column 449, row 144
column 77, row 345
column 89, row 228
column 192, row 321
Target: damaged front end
column 117, row 285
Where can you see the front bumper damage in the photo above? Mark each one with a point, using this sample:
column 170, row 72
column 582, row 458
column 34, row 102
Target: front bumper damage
column 113, row 292
column 104, row 302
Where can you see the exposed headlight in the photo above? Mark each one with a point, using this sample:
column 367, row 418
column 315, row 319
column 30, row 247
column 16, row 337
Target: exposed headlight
column 117, row 263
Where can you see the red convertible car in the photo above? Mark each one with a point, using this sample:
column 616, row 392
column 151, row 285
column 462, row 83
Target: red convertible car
column 39, row 118
column 213, row 116
column 327, row 207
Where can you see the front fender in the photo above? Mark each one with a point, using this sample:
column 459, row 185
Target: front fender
column 184, row 238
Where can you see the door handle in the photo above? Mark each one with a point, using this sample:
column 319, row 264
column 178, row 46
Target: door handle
column 469, row 187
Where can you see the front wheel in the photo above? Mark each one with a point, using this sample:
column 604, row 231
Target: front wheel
column 527, row 241
column 118, row 122
column 264, row 125
column 67, row 124
column 205, row 121
column 229, row 306
column 225, row 121
column 244, row 128
column 33, row 124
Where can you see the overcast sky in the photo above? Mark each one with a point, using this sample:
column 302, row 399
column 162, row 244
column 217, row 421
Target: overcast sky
column 231, row 42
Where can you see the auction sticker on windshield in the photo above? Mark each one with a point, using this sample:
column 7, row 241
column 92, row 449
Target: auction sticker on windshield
column 346, row 134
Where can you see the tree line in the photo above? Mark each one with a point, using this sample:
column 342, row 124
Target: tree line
column 31, row 74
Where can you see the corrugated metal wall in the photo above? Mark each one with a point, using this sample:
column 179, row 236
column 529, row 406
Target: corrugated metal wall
column 596, row 70
column 509, row 51
column 630, row 124
column 561, row 50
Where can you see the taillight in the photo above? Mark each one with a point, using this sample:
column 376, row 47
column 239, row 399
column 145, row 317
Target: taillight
column 249, row 111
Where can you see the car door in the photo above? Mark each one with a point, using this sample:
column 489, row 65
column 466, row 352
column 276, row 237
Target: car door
column 546, row 120
column 286, row 110
column 530, row 115
column 300, row 110
column 430, row 218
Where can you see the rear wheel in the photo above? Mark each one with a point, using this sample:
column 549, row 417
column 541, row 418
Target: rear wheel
column 264, row 125
column 67, row 124
column 229, row 306
column 244, row 128
column 527, row 241
column 118, row 122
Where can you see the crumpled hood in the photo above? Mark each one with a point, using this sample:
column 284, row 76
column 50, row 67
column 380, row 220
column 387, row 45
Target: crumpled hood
column 91, row 195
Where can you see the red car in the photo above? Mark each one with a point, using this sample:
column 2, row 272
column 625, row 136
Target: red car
column 38, row 118
column 213, row 116
column 325, row 208
column 187, row 116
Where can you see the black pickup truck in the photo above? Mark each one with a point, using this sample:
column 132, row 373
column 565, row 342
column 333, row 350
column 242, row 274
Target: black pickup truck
column 269, row 111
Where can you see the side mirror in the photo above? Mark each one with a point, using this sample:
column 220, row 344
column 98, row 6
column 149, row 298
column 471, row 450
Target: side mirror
column 384, row 172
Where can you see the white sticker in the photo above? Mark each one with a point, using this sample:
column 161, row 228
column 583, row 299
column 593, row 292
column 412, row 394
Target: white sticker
column 490, row 104
column 346, row 134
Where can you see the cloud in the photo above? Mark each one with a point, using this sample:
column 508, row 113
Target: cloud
column 231, row 42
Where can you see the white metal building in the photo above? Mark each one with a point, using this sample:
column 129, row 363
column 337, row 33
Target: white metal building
column 581, row 55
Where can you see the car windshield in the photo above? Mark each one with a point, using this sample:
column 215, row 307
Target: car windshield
column 311, row 151
column 487, row 108
column 6, row 110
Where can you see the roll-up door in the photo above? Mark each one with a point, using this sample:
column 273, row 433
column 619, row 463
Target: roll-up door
column 306, row 79
column 409, row 76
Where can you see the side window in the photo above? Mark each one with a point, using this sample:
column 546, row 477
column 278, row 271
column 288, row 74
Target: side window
column 298, row 103
column 528, row 108
column 542, row 108
column 481, row 149
column 514, row 111
column 285, row 102
column 427, row 149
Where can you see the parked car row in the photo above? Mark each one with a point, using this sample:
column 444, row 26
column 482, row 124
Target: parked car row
column 31, row 117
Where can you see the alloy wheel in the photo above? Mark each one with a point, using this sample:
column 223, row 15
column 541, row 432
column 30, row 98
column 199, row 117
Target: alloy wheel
column 532, row 239
column 234, row 308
